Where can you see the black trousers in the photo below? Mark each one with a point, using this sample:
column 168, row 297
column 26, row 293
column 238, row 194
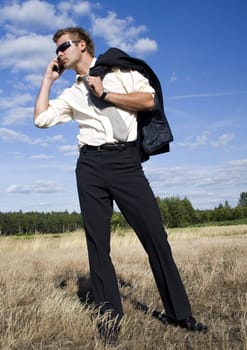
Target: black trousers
column 104, row 176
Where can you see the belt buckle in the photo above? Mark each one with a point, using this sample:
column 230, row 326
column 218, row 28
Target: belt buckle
column 100, row 148
column 121, row 147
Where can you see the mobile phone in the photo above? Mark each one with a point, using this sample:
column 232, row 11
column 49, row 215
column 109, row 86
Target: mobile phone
column 57, row 67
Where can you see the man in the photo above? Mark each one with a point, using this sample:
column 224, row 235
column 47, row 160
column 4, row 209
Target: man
column 116, row 109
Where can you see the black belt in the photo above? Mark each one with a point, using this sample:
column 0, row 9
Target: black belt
column 110, row 146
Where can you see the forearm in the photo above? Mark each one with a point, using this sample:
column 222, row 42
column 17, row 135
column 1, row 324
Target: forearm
column 131, row 101
column 134, row 101
column 42, row 101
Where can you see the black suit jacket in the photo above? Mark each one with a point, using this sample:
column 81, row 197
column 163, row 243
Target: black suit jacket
column 154, row 133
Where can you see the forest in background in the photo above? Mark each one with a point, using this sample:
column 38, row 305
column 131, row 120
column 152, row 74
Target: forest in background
column 175, row 212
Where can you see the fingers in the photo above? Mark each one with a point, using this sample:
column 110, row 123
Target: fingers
column 54, row 69
column 95, row 84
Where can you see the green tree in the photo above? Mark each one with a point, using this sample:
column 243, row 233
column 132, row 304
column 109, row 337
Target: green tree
column 189, row 212
column 118, row 221
column 242, row 202
column 176, row 212
column 164, row 211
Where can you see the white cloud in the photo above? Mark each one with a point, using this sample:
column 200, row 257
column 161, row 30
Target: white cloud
column 13, row 136
column 223, row 140
column 145, row 45
column 41, row 156
column 238, row 163
column 200, row 140
column 32, row 14
column 17, row 100
column 10, row 135
column 206, row 186
column 28, row 52
column 37, row 187
column 24, row 49
column 17, row 115
column 56, row 138
column 69, row 169
column 121, row 33
column 69, row 150
column 46, row 140
column 172, row 78
column 79, row 7
column 33, row 80
column 13, row 109
column 207, row 139
column 174, row 176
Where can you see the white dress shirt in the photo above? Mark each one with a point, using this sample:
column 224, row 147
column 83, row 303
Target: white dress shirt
column 75, row 104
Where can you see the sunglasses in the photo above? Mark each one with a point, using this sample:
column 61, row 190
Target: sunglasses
column 64, row 46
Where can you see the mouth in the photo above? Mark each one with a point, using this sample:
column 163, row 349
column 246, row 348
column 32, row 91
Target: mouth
column 62, row 61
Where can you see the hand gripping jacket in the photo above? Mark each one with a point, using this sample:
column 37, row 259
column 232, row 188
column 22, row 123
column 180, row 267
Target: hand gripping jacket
column 154, row 133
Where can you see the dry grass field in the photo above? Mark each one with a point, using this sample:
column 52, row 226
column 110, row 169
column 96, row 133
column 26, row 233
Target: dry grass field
column 41, row 280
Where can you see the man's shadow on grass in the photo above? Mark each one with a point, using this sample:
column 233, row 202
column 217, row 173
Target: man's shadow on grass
column 85, row 295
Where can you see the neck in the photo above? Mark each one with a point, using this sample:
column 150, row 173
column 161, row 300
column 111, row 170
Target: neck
column 83, row 66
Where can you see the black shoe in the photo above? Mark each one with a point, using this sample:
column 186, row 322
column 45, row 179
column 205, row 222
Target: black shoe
column 189, row 323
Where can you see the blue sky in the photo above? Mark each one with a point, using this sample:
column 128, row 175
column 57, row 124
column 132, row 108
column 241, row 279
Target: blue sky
column 197, row 48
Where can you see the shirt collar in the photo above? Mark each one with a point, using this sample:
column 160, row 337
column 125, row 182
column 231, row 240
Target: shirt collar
column 79, row 77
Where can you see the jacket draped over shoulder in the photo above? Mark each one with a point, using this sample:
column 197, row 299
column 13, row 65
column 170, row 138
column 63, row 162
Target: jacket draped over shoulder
column 154, row 132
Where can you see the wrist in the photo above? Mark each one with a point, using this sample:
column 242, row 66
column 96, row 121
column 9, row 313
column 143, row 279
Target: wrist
column 104, row 94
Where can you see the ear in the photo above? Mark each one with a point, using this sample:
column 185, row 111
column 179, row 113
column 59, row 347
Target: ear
column 83, row 45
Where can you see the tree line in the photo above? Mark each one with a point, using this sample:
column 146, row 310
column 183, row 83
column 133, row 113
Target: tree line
column 175, row 212
column 12, row 223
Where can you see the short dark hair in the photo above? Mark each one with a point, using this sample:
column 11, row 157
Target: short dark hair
column 77, row 33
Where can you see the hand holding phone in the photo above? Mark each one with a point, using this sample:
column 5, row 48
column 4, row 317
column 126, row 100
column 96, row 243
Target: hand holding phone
column 58, row 67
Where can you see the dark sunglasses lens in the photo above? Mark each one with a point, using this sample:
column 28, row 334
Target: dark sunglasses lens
column 63, row 47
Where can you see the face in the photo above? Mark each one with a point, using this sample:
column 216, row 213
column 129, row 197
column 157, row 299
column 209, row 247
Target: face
column 69, row 50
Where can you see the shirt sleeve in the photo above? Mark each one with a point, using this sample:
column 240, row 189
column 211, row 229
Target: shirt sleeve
column 58, row 112
column 133, row 81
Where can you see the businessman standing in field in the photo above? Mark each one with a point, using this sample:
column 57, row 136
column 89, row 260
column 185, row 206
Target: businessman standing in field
column 117, row 102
